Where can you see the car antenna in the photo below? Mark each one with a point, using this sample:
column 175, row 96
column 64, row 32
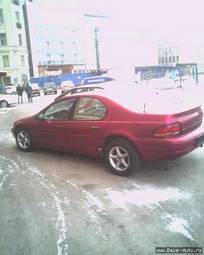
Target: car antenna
column 144, row 107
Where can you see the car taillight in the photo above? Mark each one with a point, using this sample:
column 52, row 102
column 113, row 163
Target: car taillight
column 168, row 130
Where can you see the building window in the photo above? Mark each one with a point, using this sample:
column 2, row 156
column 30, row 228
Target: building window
column 177, row 58
column 17, row 16
column 5, row 61
column 16, row 2
column 22, row 60
column 20, row 40
column 61, row 44
column 48, row 57
column 18, row 23
column 3, row 41
column 48, row 44
column 1, row 17
column 62, row 58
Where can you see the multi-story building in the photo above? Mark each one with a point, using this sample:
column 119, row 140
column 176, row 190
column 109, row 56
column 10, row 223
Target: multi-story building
column 55, row 45
column 168, row 55
column 13, row 48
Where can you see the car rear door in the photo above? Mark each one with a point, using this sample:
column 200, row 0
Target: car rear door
column 87, row 127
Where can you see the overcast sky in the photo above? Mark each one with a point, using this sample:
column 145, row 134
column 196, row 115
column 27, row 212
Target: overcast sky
column 135, row 28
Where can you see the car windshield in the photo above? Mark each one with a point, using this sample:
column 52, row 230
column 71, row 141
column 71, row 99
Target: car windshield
column 47, row 85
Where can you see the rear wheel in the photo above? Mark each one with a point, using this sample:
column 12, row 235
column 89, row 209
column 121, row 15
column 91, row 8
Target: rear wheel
column 3, row 104
column 23, row 140
column 121, row 157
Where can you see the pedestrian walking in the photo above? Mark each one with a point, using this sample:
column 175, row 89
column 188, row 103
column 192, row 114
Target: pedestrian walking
column 19, row 91
column 29, row 92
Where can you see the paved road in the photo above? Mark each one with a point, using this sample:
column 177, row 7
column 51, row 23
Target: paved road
column 55, row 203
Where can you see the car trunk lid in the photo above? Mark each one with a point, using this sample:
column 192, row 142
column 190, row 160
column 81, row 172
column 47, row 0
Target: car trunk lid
column 190, row 119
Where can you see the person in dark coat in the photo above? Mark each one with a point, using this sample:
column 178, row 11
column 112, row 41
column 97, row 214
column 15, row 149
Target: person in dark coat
column 29, row 92
column 19, row 91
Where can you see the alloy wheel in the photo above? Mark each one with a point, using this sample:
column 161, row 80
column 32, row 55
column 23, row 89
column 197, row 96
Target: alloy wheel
column 119, row 158
column 23, row 140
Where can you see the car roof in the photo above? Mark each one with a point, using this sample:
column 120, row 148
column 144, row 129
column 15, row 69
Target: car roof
column 113, row 92
column 137, row 99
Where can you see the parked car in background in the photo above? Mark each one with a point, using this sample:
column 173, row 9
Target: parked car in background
column 65, row 86
column 10, row 89
column 36, row 89
column 115, row 126
column 96, row 80
column 7, row 100
column 49, row 88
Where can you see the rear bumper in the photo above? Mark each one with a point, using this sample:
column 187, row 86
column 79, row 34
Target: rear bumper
column 155, row 149
column 50, row 92
column 36, row 93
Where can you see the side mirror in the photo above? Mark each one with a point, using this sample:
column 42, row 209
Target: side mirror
column 40, row 116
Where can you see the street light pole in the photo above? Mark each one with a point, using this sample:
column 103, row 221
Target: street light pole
column 98, row 65
column 96, row 30
column 27, row 32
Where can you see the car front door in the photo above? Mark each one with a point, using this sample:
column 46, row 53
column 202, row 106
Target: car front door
column 87, row 127
column 51, row 124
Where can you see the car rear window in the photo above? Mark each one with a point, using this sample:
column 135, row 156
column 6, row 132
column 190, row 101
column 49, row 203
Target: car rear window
column 89, row 108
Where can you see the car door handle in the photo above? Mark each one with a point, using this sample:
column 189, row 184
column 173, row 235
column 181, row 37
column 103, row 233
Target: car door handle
column 95, row 127
column 59, row 126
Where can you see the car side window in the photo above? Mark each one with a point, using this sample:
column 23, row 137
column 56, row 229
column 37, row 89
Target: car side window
column 59, row 110
column 89, row 108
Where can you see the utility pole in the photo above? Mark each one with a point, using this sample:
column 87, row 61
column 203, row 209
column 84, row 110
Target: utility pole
column 30, row 59
column 96, row 31
column 98, row 65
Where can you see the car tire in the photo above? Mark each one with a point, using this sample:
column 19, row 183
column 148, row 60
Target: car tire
column 3, row 104
column 24, row 140
column 121, row 157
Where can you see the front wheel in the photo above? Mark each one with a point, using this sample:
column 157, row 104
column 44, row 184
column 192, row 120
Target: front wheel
column 23, row 140
column 121, row 157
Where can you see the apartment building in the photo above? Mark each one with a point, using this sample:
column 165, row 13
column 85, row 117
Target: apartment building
column 13, row 49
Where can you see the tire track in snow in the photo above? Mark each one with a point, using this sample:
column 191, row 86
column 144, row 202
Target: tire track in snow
column 62, row 242
column 4, row 174
column 92, row 203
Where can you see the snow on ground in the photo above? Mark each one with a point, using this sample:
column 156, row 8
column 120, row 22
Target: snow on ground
column 145, row 196
column 62, row 244
column 179, row 225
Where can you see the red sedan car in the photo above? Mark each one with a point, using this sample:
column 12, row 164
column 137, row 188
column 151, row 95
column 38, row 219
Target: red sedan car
column 96, row 124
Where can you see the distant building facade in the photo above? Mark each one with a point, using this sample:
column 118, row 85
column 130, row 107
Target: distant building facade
column 168, row 55
column 13, row 49
column 54, row 44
